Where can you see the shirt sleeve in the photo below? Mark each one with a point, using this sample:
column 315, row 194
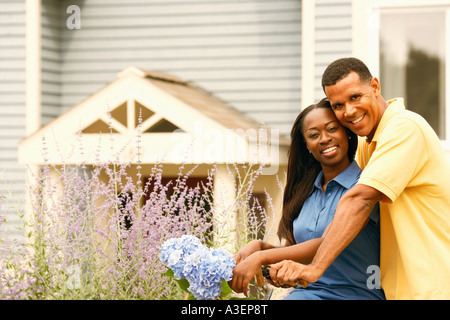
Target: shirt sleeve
column 399, row 155
column 362, row 153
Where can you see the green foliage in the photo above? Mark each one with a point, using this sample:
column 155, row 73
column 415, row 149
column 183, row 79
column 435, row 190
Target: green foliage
column 227, row 292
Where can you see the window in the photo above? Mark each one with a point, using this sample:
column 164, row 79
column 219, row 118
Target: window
column 413, row 61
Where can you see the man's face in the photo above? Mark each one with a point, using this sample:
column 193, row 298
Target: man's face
column 355, row 104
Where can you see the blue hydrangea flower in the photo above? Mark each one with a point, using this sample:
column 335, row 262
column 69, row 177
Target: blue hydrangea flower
column 174, row 252
column 204, row 268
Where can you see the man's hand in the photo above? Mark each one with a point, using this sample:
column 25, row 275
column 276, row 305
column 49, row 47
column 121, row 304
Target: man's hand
column 288, row 272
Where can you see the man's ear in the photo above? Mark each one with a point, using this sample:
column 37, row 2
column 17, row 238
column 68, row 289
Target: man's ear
column 375, row 85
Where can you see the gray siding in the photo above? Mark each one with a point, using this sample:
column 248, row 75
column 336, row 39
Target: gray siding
column 333, row 36
column 12, row 109
column 247, row 52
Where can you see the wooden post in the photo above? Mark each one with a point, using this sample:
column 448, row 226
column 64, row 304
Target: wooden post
column 224, row 208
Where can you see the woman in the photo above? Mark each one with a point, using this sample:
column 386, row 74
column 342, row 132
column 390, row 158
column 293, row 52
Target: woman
column 320, row 170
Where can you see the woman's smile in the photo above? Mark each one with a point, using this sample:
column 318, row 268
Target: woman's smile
column 330, row 151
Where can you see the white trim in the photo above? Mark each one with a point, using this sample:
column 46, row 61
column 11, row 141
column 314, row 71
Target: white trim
column 365, row 27
column 150, row 122
column 365, row 24
column 114, row 123
column 408, row 3
column 308, row 51
column 33, row 66
column 131, row 114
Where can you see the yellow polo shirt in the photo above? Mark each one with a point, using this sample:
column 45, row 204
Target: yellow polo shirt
column 406, row 162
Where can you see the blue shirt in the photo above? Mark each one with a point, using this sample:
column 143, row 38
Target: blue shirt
column 348, row 276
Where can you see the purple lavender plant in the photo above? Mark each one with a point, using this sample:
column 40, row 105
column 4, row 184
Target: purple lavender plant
column 96, row 232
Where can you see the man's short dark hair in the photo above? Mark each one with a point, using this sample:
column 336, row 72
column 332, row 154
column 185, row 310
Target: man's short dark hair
column 340, row 68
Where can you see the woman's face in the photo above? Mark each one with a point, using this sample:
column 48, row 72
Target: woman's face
column 326, row 138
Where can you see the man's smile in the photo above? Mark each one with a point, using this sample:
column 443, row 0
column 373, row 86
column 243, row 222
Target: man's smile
column 355, row 122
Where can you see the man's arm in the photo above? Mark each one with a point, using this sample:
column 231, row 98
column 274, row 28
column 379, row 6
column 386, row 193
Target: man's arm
column 352, row 214
column 246, row 268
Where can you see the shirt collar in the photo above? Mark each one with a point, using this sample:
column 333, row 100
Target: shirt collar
column 395, row 106
column 346, row 178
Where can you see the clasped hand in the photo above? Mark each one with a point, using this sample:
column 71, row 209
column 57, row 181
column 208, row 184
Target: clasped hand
column 290, row 273
column 283, row 274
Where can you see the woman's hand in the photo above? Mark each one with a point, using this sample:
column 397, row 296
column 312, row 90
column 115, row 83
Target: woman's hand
column 247, row 250
column 244, row 272
column 247, row 265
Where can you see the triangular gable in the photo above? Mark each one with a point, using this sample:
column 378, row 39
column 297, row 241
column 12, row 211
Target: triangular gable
column 118, row 121
column 149, row 115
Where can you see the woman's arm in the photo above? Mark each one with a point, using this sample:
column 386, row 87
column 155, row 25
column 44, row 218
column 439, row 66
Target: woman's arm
column 250, row 248
column 302, row 252
column 247, row 267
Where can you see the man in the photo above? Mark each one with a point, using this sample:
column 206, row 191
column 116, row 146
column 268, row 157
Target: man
column 405, row 168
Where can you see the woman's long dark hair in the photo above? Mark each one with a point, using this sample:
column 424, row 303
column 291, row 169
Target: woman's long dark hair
column 302, row 171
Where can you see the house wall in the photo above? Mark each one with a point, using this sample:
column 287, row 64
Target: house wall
column 52, row 27
column 246, row 52
column 333, row 36
column 12, row 109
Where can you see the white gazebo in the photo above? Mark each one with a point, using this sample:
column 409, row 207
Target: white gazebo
column 148, row 117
